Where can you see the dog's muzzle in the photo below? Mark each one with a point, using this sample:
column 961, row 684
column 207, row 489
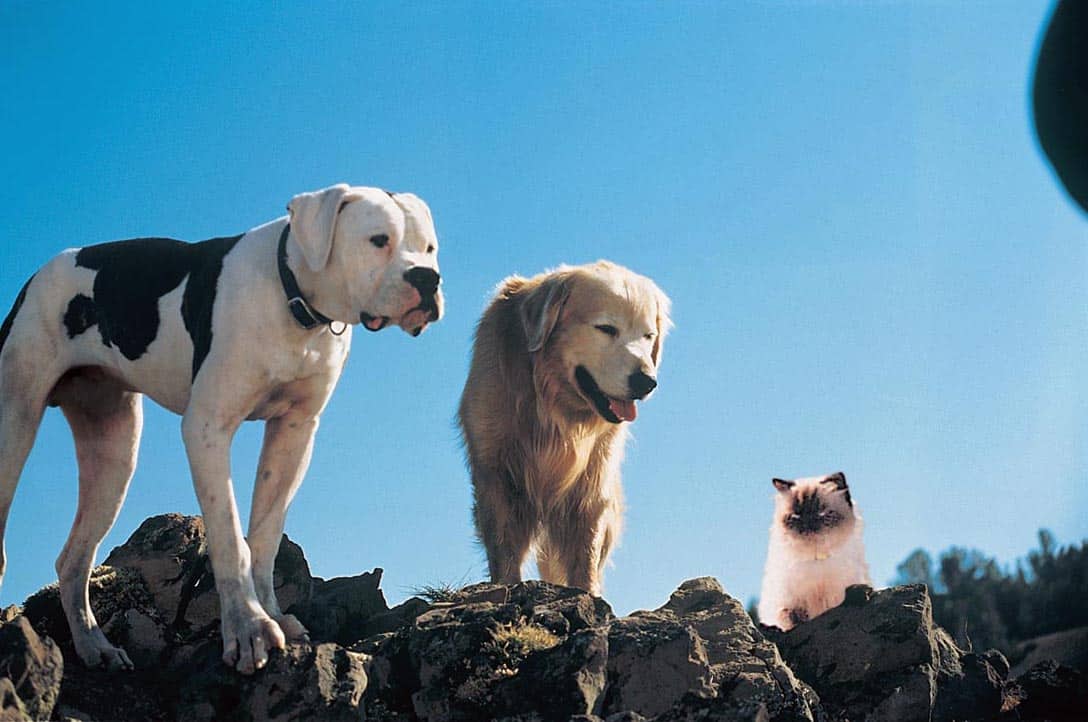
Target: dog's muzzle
column 373, row 323
column 425, row 281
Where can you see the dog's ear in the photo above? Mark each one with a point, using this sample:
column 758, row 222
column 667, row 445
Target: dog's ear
column 664, row 324
column 313, row 222
column 540, row 309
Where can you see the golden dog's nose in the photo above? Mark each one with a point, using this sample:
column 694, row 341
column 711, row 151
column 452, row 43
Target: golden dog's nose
column 641, row 384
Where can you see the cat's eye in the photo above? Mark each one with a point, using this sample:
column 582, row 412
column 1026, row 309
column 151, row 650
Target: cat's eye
column 380, row 241
column 607, row 329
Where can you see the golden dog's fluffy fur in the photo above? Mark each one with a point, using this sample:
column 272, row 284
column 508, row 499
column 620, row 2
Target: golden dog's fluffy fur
column 558, row 363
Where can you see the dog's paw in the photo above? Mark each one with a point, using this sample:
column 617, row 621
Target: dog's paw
column 96, row 652
column 248, row 637
column 292, row 628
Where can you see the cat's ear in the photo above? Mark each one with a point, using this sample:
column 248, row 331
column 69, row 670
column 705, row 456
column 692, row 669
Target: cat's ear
column 838, row 479
column 783, row 485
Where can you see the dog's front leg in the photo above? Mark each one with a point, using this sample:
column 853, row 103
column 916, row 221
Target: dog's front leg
column 584, row 533
column 248, row 632
column 285, row 456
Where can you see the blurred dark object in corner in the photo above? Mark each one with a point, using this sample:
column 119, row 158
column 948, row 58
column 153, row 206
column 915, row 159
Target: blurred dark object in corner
column 1060, row 96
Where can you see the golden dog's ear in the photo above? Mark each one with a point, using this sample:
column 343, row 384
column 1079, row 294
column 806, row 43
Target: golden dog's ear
column 313, row 222
column 540, row 309
column 664, row 323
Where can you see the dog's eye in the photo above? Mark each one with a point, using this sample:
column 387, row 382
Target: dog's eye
column 381, row 240
column 607, row 329
column 430, row 248
column 650, row 336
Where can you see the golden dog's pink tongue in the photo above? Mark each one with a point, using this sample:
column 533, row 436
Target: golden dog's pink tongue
column 624, row 410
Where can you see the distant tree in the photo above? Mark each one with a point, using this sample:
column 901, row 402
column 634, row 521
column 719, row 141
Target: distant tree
column 984, row 606
column 917, row 569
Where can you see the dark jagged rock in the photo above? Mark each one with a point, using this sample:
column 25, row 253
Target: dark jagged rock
column 341, row 609
column 528, row 652
column 1049, row 691
column 33, row 666
column 170, row 553
column 113, row 592
column 700, row 654
column 306, row 682
column 877, row 660
column 1068, row 648
column 559, row 683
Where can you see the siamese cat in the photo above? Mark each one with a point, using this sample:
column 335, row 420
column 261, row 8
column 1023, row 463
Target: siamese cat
column 815, row 551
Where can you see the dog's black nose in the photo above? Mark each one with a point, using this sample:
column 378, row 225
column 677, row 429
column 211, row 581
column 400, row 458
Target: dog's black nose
column 641, row 384
column 423, row 279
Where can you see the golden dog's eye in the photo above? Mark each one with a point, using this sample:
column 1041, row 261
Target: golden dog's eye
column 607, row 329
column 381, row 240
column 650, row 336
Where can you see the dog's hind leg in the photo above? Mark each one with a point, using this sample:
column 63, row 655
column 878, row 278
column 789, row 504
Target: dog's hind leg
column 285, row 456
column 106, row 421
column 26, row 377
column 20, row 417
column 505, row 524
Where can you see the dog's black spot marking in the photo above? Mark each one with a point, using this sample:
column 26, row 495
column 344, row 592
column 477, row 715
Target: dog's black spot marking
column 134, row 274
column 199, row 297
column 5, row 328
column 80, row 316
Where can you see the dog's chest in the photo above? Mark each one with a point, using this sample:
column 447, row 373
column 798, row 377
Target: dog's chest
column 301, row 375
column 558, row 467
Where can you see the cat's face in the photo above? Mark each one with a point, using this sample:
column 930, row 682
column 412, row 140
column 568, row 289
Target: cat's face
column 814, row 508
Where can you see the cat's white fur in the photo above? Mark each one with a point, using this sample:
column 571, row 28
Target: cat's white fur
column 809, row 574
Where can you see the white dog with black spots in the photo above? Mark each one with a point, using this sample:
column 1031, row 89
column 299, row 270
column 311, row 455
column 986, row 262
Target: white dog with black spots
column 256, row 326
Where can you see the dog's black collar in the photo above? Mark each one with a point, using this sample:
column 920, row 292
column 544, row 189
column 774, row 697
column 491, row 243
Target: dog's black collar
column 307, row 316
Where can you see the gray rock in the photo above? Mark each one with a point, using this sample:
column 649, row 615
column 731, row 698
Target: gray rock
column 113, row 592
column 978, row 692
column 463, row 659
column 1068, row 648
column 1049, row 691
column 653, row 663
column 700, row 654
column 342, row 610
column 307, row 682
column 170, row 553
column 11, row 707
column 879, row 656
column 557, row 684
column 876, row 660
column 33, row 667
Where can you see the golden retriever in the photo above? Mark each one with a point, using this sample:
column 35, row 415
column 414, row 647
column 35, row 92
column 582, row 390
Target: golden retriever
column 559, row 361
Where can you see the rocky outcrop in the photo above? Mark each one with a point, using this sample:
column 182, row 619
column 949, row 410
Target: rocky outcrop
column 1069, row 648
column 879, row 657
column 31, row 667
column 530, row 651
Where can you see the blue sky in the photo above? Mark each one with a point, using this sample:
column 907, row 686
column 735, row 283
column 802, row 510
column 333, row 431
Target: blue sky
column 871, row 266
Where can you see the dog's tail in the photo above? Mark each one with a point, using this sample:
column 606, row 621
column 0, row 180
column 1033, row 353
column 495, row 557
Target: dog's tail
column 9, row 321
